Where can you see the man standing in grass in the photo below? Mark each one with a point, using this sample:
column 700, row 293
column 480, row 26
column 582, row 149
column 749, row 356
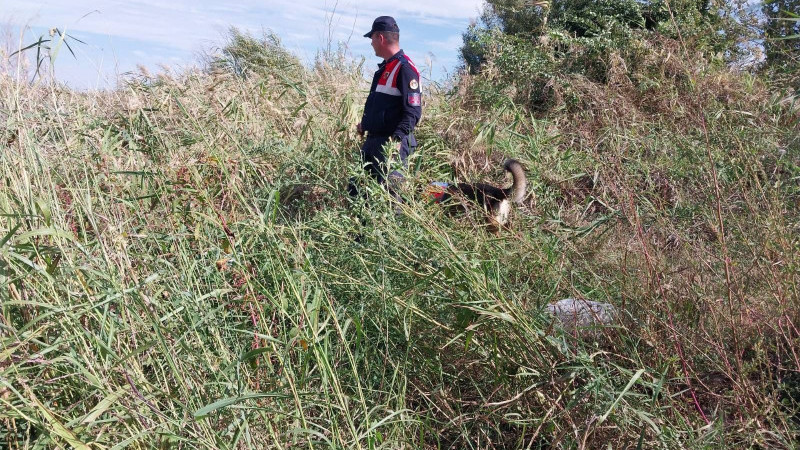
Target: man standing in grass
column 393, row 107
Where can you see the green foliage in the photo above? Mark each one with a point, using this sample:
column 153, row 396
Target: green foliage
column 245, row 55
column 782, row 41
column 611, row 18
column 532, row 48
column 180, row 265
column 478, row 44
column 47, row 48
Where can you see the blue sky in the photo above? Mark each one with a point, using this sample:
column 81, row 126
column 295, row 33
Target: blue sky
column 120, row 35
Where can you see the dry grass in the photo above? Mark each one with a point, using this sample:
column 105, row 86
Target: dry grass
column 178, row 268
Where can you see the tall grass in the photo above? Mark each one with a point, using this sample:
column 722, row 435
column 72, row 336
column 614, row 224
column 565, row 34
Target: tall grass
column 179, row 269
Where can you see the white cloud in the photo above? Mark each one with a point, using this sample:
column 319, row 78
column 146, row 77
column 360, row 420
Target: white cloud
column 452, row 42
column 182, row 22
column 187, row 26
column 442, row 9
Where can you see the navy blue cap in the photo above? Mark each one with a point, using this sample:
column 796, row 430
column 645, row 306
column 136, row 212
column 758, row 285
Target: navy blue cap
column 383, row 23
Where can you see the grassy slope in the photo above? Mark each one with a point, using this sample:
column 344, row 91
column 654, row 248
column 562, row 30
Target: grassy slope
column 178, row 266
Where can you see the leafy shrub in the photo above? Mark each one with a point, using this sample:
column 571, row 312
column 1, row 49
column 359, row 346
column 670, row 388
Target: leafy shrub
column 532, row 47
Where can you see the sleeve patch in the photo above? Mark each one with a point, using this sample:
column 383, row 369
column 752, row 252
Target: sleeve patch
column 414, row 99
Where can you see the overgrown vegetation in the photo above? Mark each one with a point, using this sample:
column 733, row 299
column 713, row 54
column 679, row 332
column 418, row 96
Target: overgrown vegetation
column 178, row 265
column 782, row 42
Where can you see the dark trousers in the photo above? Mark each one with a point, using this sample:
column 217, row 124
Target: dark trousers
column 376, row 162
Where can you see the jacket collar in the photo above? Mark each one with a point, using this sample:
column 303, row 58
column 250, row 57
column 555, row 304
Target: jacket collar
column 395, row 56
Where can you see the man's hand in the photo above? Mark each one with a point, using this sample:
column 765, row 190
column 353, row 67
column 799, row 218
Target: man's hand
column 359, row 129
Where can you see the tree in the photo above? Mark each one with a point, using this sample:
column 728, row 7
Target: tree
column 782, row 40
column 613, row 22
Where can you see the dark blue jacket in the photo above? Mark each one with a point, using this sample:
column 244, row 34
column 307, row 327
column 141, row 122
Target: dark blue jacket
column 394, row 104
